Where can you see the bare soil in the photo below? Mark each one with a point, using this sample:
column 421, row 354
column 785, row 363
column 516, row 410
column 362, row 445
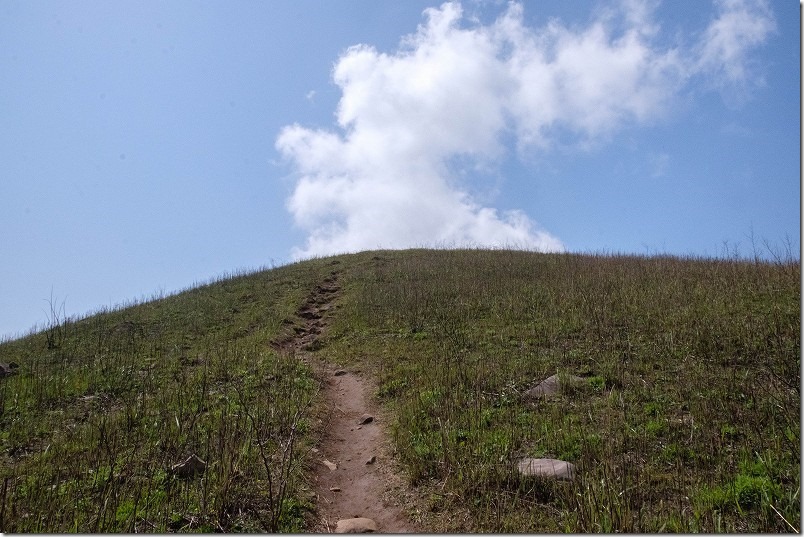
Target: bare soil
column 363, row 483
column 360, row 477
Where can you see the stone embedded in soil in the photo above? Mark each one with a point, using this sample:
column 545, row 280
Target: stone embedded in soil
column 551, row 386
column 356, row 525
column 309, row 315
column 365, row 418
column 335, row 489
column 548, row 468
column 372, row 460
column 7, row 369
column 331, row 465
column 340, row 372
column 189, row 467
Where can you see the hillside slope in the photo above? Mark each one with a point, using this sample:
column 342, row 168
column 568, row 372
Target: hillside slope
column 687, row 418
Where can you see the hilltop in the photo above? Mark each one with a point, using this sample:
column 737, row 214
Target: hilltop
column 687, row 417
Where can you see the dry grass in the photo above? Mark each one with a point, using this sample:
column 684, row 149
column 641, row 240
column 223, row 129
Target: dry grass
column 103, row 407
column 688, row 419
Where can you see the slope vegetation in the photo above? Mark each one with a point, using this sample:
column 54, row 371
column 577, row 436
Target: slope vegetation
column 687, row 418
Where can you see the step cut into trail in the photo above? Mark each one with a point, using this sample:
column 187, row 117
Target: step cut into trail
column 354, row 482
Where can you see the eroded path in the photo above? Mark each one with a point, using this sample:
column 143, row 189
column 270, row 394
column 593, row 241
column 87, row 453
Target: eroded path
column 355, row 476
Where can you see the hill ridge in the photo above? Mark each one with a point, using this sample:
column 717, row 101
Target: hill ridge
column 687, row 419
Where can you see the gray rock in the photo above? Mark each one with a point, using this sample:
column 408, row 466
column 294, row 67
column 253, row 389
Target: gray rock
column 551, row 386
column 365, row 418
column 7, row 370
column 192, row 466
column 548, row 468
column 356, row 525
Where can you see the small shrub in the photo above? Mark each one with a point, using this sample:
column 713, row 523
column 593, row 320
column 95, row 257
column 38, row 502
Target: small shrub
column 655, row 427
column 751, row 491
column 728, row 430
column 392, row 388
column 597, row 383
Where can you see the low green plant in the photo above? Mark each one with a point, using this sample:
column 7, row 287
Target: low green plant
column 597, row 383
column 392, row 388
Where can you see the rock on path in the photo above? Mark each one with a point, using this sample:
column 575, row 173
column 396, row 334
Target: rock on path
column 356, row 525
column 359, row 489
column 365, row 418
column 360, row 497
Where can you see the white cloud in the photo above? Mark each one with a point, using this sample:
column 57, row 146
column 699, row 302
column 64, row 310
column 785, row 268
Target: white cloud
column 591, row 81
column 384, row 178
column 739, row 26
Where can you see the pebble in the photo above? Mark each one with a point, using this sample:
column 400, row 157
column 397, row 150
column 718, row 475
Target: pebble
column 365, row 418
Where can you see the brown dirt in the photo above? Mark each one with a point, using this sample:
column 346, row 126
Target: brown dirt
column 353, row 488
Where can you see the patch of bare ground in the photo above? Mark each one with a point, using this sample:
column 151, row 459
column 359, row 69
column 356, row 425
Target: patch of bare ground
column 360, row 479
column 355, row 475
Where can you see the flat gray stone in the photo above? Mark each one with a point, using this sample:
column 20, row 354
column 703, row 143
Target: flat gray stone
column 551, row 386
column 356, row 525
column 547, row 468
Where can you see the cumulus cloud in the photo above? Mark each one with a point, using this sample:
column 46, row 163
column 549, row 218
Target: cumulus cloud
column 386, row 177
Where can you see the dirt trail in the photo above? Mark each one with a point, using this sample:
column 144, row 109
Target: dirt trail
column 355, row 476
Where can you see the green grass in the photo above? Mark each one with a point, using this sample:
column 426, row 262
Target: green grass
column 688, row 419
column 692, row 366
column 103, row 407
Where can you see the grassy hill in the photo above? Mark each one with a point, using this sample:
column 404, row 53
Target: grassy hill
column 688, row 418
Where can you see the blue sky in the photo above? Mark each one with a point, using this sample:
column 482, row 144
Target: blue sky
column 146, row 146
